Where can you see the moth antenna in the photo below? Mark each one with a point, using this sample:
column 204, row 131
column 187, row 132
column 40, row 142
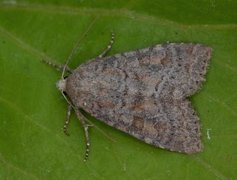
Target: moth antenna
column 77, row 46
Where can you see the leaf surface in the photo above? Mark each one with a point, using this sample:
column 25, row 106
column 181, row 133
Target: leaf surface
column 32, row 111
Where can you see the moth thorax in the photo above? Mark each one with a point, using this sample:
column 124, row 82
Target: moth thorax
column 61, row 85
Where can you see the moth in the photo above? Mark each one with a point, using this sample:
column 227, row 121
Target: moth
column 142, row 93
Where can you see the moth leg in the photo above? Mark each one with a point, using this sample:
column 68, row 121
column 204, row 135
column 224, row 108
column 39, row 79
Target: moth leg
column 85, row 126
column 58, row 67
column 108, row 47
column 67, row 121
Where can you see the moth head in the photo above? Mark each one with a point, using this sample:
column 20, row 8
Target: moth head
column 61, row 85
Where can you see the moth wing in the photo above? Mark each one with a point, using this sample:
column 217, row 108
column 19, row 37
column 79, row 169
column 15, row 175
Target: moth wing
column 179, row 68
column 187, row 64
column 143, row 93
column 172, row 125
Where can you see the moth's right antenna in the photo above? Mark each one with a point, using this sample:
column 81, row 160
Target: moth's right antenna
column 76, row 46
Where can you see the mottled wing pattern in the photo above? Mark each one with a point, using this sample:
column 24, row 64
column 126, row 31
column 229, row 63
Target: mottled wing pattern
column 143, row 93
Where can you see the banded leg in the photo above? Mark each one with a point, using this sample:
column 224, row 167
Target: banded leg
column 108, row 47
column 58, row 67
column 85, row 126
column 67, row 121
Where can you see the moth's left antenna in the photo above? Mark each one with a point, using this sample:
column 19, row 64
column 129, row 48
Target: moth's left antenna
column 73, row 52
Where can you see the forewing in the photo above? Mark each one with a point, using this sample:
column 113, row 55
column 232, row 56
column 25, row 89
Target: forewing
column 188, row 66
column 172, row 125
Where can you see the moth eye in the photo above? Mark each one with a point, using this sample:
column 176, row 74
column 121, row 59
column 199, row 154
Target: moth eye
column 64, row 92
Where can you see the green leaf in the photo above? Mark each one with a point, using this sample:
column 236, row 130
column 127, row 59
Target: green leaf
column 32, row 111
